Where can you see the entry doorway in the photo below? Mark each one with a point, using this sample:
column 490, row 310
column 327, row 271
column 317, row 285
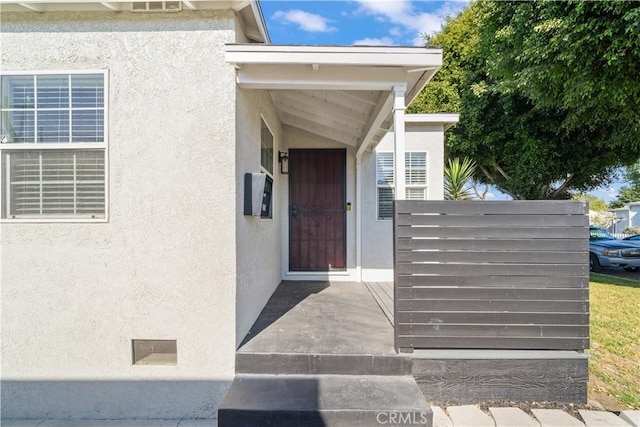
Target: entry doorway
column 317, row 209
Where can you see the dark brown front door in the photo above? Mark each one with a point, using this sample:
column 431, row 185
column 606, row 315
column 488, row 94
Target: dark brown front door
column 317, row 214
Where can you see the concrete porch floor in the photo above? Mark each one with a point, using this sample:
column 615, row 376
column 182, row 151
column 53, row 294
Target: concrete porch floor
column 321, row 318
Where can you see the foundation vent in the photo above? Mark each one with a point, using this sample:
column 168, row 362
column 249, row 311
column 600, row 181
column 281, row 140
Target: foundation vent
column 154, row 352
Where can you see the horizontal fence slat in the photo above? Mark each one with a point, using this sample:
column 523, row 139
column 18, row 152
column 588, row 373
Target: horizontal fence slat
column 514, row 281
column 524, row 294
column 544, row 207
column 494, row 232
column 494, row 269
column 494, row 343
column 493, row 305
column 572, row 245
column 493, row 318
column 488, row 331
column 528, row 257
column 481, row 220
column 492, row 275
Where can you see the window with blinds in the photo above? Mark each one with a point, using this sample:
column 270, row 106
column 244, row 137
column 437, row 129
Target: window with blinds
column 63, row 115
column 415, row 180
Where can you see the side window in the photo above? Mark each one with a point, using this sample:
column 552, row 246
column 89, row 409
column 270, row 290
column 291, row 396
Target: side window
column 415, row 180
column 266, row 166
column 53, row 146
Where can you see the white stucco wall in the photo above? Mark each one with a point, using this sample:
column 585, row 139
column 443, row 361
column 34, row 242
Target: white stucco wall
column 258, row 240
column 163, row 267
column 377, row 236
column 297, row 138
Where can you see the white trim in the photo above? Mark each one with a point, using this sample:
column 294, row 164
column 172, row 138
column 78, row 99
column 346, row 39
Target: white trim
column 399, row 142
column 302, row 77
column 379, row 115
column 358, row 217
column 411, row 57
column 445, row 119
column 42, row 146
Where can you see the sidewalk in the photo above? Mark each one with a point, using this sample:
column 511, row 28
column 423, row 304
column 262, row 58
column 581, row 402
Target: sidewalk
column 454, row 416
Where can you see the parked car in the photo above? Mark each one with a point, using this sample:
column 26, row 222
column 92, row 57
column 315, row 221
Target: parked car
column 635, row 237
column 606, row 251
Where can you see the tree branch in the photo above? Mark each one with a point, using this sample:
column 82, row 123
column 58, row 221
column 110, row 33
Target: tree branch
column 499, row 169
column 564, row 185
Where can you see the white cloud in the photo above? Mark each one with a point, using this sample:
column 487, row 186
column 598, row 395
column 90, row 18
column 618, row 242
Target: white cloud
column 382, row 41
column 402, row 13
column 490, row 195
column 395, row 31
column 305, row 21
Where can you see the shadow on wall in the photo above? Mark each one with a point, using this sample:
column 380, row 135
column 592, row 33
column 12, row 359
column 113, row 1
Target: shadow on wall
column 286, row 296
column 88, row 399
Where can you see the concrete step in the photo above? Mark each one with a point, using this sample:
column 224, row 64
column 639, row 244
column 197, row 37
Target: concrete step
column 322, row 364
column 323, row 400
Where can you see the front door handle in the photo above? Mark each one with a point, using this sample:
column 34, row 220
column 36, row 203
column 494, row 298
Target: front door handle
column 294, row 210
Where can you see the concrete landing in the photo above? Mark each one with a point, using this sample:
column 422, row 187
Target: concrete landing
column 323, row 400
column 320, row 318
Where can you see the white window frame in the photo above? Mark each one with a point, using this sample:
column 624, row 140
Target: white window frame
column 59, row 146
column 273, row 165
column 408, row 186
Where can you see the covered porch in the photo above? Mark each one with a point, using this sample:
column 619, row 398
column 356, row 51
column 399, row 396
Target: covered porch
column 336, row 98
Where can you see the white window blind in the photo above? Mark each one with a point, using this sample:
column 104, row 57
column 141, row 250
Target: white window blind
column 64, row 115
column 56, row 183
column 415, row 180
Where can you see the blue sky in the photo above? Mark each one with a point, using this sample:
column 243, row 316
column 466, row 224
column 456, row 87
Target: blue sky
column 362, row 22
column 366, row 22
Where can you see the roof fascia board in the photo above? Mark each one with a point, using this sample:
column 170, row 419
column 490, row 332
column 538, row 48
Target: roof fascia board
column 327, row 55
column 328, row 78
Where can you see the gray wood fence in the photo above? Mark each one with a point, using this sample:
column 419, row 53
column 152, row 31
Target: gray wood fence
column 491, row 275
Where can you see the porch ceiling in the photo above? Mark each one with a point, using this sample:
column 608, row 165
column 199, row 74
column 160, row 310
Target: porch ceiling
column 341, row 93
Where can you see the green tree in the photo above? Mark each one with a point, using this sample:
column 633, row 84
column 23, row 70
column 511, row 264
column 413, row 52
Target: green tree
column 458, row 175
column 632, row 174
column 626, row 195
column 521, row 145
column 595, row 202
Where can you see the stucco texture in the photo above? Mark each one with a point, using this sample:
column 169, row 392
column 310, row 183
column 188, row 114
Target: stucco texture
column 74, row 295
column 258, row 240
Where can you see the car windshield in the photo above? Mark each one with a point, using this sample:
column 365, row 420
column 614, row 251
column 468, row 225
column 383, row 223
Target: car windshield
column 599, row 234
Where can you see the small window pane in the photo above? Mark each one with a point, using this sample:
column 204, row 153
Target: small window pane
column 87, row 91
column 88, row 126
column 385, row 203
column 416, row 168
column 172, row 5
column 62, row 183
column 18, row 92
column 18, row 126
column 266, row 148
column 385, row 168
column 53, row 91
column 415, row 193
column 53, row 126
column 155, row 5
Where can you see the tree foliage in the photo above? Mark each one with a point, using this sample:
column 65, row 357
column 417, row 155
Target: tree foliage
column 595, row 202
column 626, row 195
column 530, row 141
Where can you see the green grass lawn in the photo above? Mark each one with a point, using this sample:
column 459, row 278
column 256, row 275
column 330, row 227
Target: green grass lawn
column 614, row 368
